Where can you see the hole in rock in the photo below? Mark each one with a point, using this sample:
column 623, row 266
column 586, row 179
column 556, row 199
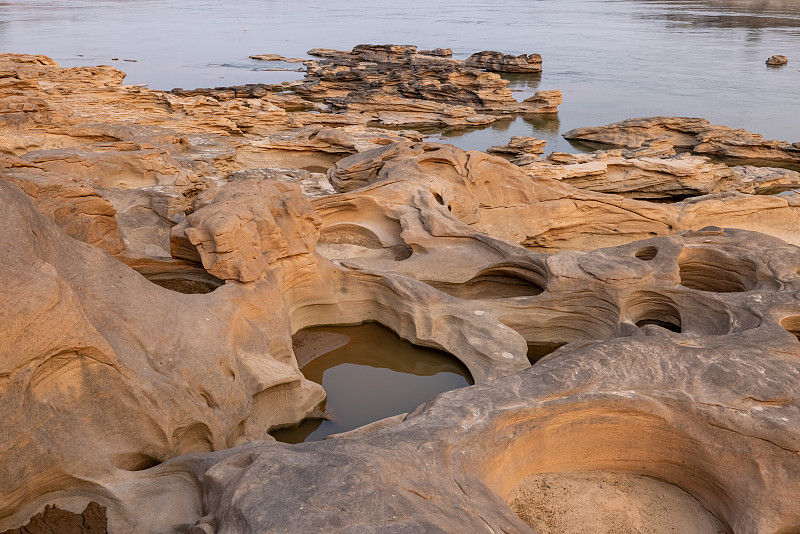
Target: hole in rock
column 135, row 461
column 604, row 501
column 369, row 373
column 359, row 236
column 792, row 324
column 438, row 198
column 350, row 234
column 537, row 351
column 646, row 253
column 495, row 284
column 187, row 286
column 707, row 269
column 54, row 520
column 647, row 307
column 663, row 324
column 180, row 276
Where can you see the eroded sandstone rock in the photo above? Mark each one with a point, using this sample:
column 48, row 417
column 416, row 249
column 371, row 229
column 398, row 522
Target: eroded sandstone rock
column 396, row 85
column 678, row 366
column 70, row 202
column 673, row 178
column 499, row 62
column 136, row 373
column 241, row 229
column 487, row 193
column 698, row 135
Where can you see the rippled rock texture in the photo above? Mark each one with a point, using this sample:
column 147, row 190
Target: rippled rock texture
column 159, row 250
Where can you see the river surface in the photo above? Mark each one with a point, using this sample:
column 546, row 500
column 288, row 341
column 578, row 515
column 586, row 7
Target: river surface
column 613, row 59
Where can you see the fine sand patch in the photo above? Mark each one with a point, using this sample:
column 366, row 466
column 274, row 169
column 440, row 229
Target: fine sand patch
column 602, row 502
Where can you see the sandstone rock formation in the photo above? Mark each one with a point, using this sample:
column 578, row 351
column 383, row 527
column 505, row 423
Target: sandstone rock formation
column 664, row 335
column 697, row 135
column 679, row 367
column 487, row 192
column 394, row 85
column 673, row 178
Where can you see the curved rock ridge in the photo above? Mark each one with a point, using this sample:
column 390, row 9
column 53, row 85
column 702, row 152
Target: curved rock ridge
column 697, row 135
column 538, row 212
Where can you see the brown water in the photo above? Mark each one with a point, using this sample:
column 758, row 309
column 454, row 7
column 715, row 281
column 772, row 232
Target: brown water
column 369, row 373
column 613, row 59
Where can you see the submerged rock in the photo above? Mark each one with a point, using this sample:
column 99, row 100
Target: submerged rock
column 777, row 61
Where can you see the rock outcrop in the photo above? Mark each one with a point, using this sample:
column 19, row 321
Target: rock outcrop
column 499, row 62
column 394, row 85
column 498, row 198
column 671, row 178
column 697, row 135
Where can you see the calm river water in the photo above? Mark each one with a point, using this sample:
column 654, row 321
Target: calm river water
column 613, row 59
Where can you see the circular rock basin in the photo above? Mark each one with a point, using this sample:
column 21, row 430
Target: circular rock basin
column 369, row 373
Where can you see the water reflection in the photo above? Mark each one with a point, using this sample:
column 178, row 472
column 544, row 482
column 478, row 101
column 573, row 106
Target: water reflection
column 369, row 373
column 545, row 127
column 727, row 14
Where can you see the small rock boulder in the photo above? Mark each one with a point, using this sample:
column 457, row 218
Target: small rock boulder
column 777, row 61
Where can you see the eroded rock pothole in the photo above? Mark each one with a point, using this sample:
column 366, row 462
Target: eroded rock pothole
column 602, row 501
column 369, row 373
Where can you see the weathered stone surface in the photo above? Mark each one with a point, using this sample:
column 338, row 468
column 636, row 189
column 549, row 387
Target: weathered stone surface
column 521, row 150
column 679, row 367
column 54, row 521
column 440, row 52
column 499, row 62
column 698, row 135
column 105, row 372
column 277, row 57
column 241, row 229
column 396, row 85
column 496, row 197
column 777, row 60
column 671, row 178
column 70, row 202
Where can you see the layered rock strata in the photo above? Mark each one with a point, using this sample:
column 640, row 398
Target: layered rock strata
column 670, row 178
column 393, row 85
column 499, row 62
column 697, row 135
